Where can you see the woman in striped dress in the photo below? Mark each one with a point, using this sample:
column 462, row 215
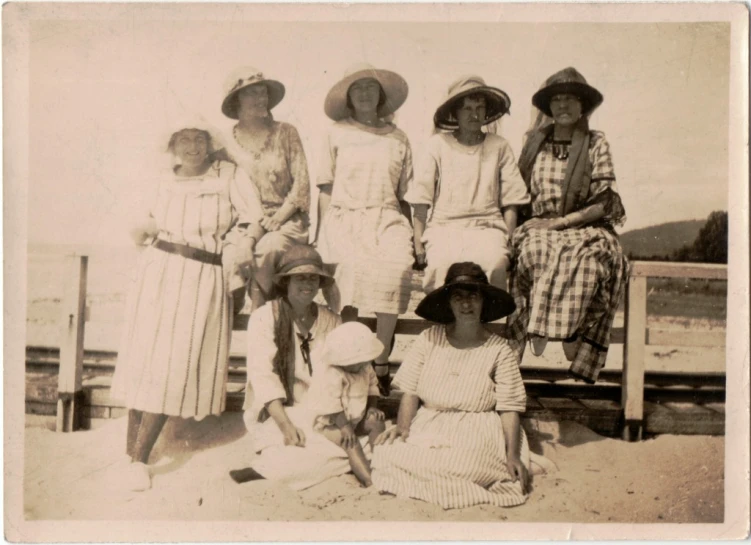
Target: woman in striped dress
column 570, row 269
column 460, row 438
column 173, row 356
column 364, row 226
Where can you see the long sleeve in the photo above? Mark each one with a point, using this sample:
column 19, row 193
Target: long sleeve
column 299, row 194
column 262, row 381
column 423, row 188
column 513, row 189
column 407, row 174
column 509, row 388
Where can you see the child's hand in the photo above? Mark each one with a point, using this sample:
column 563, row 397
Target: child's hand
column 375, row 414
column 349, row 439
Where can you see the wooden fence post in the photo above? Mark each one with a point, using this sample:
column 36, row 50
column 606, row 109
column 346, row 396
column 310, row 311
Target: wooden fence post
column 69, row 381
column 634, row 352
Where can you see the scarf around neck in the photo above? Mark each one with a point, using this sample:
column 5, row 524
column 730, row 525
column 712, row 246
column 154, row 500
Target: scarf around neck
column 578, row 171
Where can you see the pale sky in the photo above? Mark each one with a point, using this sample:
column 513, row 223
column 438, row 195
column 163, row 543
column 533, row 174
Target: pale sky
column 103, row 92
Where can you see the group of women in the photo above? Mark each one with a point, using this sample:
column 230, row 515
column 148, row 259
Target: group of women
column 467, row 214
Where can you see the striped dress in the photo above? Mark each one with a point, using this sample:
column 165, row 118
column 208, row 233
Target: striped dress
column 174, row 349
column 364, row 232
column 455, row 453
column 568, row 284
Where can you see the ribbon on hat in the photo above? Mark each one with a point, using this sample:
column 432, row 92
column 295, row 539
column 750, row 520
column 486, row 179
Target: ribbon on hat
column 255, row 78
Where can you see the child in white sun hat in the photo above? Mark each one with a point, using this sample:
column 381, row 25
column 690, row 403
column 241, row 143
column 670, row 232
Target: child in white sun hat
column 344, row 392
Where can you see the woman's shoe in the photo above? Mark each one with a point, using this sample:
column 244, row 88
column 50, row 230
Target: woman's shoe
column 570, row 348
column 245, row 475
column 384, row 381
column 537, row 344
column 137, row 476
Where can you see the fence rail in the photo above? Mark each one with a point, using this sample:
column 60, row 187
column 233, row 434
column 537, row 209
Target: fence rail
column 635, row 336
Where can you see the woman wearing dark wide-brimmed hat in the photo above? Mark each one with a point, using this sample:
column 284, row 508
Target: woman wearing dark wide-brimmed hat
column 272, row 155
column 460, row 439
column 364, row 230
column 570, row 270
column 469, row 181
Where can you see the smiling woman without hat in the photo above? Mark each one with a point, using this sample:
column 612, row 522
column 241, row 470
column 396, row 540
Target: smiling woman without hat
column 458, row 441
column 570, row 269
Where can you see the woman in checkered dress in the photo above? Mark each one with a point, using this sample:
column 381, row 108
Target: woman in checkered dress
column 570, row 269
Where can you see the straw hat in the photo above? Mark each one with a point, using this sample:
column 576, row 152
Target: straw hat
column 497, row 303
column 245, row 77
column 497, row 102
column 302, row 259
column 186, row 121
column 567, row 81
column 351, row 343
column 393, row 85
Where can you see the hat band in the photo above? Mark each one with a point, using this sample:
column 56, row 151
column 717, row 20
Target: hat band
column 299, row 262
column 255, row 78
column 466, row 278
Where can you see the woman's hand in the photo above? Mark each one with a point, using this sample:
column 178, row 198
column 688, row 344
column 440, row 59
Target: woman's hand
column 553, row 224
column 349, row 439
column 375, row 414
column 391, row 434
column 518, row 472
column 271, row 223
column 293, row 436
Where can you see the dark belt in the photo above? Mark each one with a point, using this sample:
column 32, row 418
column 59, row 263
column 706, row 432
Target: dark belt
column 188, row 252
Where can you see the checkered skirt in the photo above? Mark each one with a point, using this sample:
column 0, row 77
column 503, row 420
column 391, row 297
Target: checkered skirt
column 568, row 284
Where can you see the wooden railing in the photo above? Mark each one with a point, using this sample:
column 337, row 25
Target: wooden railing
column 635, row 336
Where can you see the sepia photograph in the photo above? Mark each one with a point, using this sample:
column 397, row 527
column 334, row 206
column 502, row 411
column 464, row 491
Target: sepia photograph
column 374, row 272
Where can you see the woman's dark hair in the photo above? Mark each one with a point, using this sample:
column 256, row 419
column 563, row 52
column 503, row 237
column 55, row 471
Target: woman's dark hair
column 458, row 103
column 381, row 98
column 206, row 134
column 283, row 339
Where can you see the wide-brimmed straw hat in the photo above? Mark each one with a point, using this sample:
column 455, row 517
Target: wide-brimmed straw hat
column 187, row 121
column 394, row 87
column 569, row 82
column 497, row 303
column 349, row 344
column 302, row 259
column 244, row 77
column 497, row 102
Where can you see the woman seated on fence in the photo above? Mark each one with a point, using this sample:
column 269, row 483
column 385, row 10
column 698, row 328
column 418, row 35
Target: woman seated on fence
column 570, row 270
column 174, row 351
column 460, row 439
column 470, row 181
column 285, row 339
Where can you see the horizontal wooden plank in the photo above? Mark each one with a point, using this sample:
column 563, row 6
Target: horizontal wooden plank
column 683, row 420
column 679, row 337
column 666, row 269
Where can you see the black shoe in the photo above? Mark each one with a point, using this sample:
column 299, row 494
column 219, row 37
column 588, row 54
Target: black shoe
column 245, row 475
column 384, row 381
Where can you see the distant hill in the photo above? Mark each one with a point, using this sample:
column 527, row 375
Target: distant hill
column 660, row 240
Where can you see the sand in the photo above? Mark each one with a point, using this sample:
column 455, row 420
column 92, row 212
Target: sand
column 76, row 477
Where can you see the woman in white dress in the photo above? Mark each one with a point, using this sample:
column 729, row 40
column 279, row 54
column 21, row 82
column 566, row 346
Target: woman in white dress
column 469, row 181
column 174, row 350
column 460, row 442
column 364, row 225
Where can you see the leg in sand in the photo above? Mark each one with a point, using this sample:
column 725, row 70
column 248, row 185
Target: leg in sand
column 134, row 423
column 150, row 427
column 357, row 461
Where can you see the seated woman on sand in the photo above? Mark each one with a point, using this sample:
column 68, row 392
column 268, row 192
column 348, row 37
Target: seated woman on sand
column 460, row 439
column 285, row 340
column 469, row 181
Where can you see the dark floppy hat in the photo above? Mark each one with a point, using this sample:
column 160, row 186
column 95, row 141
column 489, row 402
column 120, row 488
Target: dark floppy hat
column 567, row 81
column 497, row 303
column 497, row 102
column 302, row 259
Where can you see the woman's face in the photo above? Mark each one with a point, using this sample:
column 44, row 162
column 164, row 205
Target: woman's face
column 303, row 287
column 466, row 305
column 254, row 100
column 566, row 109
column 191, row 147
column 471, row 114
column 364, row 95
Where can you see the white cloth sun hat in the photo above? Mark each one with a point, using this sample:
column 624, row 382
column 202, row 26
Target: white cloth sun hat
column 351, row 343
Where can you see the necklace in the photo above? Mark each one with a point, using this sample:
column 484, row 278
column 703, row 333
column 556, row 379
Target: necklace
column 560, row 148
column 256, row 153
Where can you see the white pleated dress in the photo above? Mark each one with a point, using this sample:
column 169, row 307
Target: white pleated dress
column 455, row 453
column 174, row 349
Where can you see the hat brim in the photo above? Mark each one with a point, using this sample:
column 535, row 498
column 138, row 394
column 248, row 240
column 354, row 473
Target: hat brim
column 326, row 279
column 394, row 86
column 368, row 353
column 497, row 103
column 590, row 97
column 276, row 89
column 496, row 304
